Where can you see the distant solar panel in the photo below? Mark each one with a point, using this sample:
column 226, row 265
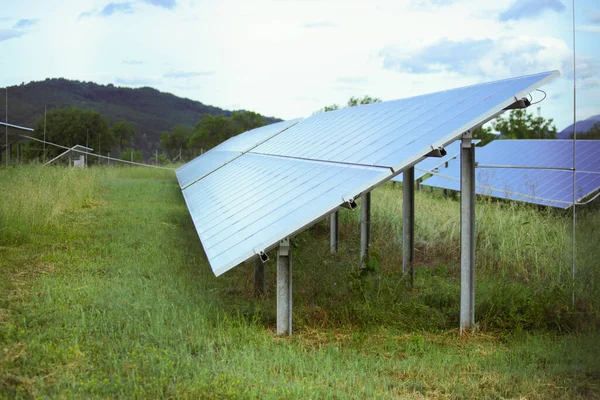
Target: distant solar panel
column 307, row 171
column 227, row 151
column 548, row 187
column 551, row 153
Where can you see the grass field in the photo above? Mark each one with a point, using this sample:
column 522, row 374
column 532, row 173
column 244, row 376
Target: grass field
column 105, row 292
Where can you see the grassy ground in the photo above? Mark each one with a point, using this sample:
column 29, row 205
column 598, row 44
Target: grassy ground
column 105, row 292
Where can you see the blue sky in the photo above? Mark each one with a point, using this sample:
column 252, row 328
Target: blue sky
column 288, row 58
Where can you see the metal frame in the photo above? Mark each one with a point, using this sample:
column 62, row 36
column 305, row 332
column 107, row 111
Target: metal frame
column 467, row 234
column 408, row 224
column 284, row 288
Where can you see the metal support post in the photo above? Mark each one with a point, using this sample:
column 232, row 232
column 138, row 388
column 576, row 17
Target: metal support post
column 334, row 232
column 260, row 286
column 365, row 228
column 9, row 153
column 18, row 153
column 467, row 234
column 408, row 223
column 284, row 288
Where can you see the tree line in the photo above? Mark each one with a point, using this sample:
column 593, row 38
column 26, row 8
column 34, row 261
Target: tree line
column 75, row 126
column 207, row 133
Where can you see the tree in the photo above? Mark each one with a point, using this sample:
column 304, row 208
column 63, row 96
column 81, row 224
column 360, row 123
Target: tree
column 522, row 125
column 69, row 127
column 355, row 101
column 123, row 132
column 352, row 102
column 130, row 154
column 176, row 140
column 484, row 134
column 246, row 120
column 592, row 133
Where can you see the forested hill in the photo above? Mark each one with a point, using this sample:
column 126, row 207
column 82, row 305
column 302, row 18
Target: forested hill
column 150, row 110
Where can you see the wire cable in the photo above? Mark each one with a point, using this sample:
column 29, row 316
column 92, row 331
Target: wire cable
column 574, row 233
column 96, row 155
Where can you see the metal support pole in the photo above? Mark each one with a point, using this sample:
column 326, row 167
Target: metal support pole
column 18, row 153
column 9, row 153
column 260, row 286
column 408, row 223
column 467, row 234
column 284, row 288
column 334, row 219
column 365, row 228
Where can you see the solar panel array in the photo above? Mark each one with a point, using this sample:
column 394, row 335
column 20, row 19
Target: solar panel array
column 539, row 185
column 245, row 200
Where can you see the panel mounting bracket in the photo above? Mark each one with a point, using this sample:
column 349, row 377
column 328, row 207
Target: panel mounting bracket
column 349, row 203
column 436, row 152
column 519, row 104
column 262, row 256
column 284, row 247
column 468, row 135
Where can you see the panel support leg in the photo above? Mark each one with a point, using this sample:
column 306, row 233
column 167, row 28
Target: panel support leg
column 9, row 153
column 408, row 223
column 467, row 234
column 284, row 288
column 365, row 229
column 333, row 232
column 18, row 153
column 260, row 286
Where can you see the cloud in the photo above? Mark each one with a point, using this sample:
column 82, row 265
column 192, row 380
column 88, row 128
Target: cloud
column 588, row 69
column 319, row 24
column 522, row 9
column 116, row 8
column 594, row 16
column 495, row 59
column 109, row 10
column 6, row 34
column 170, row 4
column 132, row 62
column 25, row 23
column 587, row 28
column 349, row 80
column 85, row 14
column 186, row 74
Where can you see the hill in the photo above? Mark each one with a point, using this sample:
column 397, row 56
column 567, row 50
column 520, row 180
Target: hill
column 582, row 126
column 150, row 110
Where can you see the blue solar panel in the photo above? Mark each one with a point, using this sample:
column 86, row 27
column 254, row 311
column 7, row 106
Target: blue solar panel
column 227, row 151
column 541, row 153
column 391, row 133
column 548, row 187
column 301, row 174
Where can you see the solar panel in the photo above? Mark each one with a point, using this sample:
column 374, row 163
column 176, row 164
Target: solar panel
column 391, row 133
column 307, row 171
column 256, row 200
column 548, row 187
column 550, row 153
column 227, row 151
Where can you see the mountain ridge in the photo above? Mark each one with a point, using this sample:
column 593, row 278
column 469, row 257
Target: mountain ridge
column 150, row 110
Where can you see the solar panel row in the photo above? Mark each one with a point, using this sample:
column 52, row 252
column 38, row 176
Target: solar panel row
column 550, row 187
column 247, row 204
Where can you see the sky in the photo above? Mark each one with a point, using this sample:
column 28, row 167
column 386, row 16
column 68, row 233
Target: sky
column 289, row 58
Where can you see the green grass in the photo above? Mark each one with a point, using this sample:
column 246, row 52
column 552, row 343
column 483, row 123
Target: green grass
column 105, row 292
